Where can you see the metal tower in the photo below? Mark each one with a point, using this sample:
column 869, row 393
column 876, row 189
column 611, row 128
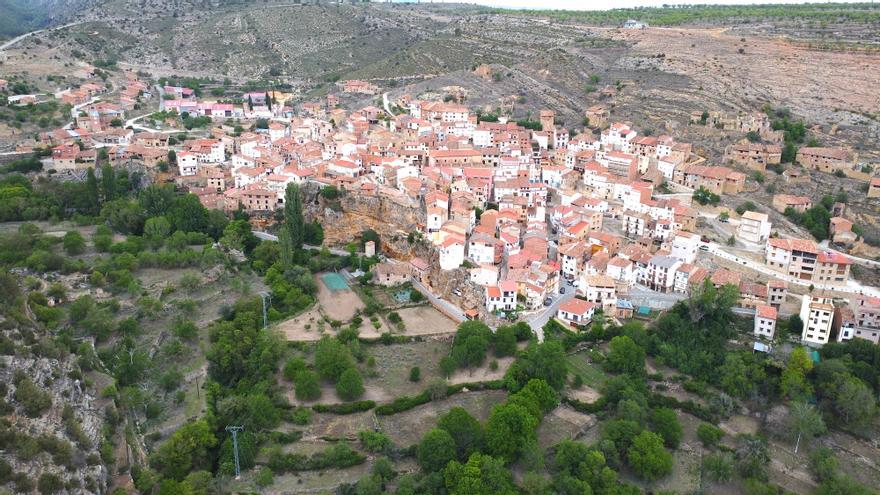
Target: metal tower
column 234, row 430
column 267, row 299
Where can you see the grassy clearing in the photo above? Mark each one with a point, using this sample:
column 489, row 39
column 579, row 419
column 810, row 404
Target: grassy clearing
column 592, row 374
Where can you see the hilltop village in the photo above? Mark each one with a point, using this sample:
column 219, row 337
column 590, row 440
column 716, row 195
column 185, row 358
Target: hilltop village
column 543, row 222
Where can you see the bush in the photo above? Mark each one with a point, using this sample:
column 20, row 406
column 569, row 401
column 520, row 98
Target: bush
column 709, row 434
column 665, row 422
column 264, row 477
column 718, row 467
column 415, row 374
column 374, row 441
column 33, row 400
column 49, row 484
column 74, row 243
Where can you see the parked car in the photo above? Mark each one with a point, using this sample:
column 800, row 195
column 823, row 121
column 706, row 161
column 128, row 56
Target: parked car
column 562, row 290
column 548, row 302
column 704, row 247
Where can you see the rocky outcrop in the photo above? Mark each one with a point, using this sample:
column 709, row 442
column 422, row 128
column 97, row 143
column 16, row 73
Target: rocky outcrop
column 60, row 378
column 344, row 219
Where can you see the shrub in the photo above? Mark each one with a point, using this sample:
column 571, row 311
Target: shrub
column 33, row 400
column 718, row 467
column 415, row 374
column 264, row 477
column 374, row 441
column 709, row 434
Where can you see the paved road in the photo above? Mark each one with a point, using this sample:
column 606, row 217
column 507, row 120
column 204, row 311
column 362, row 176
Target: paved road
column 271, row 237
column 862, row 261
column 15, row 40
column 75, row 110
column 539, row 319
column 640, row 295
column 852, row 286
column 450, row 309
column 385, row 104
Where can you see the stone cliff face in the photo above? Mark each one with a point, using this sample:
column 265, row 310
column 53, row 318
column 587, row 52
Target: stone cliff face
column 345, row 218
column 393, row 219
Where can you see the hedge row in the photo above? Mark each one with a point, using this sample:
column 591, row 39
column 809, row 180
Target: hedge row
column 346, row 408
column 688, row 406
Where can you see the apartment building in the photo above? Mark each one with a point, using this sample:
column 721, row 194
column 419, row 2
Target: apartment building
column 817, row 313
column 754, row 227
column 765, row 321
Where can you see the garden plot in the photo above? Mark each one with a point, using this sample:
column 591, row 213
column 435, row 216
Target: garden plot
column 394, row 362
column 425, row 320
column 323, row 481
column 482, row 374
column 303, row 327
column 329, row 425
column 408, row 427
column 563, row 423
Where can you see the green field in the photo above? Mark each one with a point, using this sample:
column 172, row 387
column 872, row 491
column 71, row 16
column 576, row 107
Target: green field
column 592, row 374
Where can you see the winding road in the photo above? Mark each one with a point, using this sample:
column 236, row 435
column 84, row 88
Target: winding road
column 13, row 41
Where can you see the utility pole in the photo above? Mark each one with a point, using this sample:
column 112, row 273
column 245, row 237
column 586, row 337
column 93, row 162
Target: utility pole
column 234, row 430
column 267, row 299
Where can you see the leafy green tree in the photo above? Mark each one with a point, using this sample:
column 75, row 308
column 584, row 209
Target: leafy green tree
column 804, row 422
column 481, row 475
column 854, row 402
column 505, row 341
column 156, row 230
column 625, row 356
column 794, row 383
column 74, row 243
column 156, row 199
column 308, row 385
column 509, row 430
column 665, row 423
column 544, row 361
column 187, row 450
column 350, row 385
column 448, row 366
column 465, row 430
column 648, row 458
column 435, row 450
column 332, row 358
column 238, row 235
